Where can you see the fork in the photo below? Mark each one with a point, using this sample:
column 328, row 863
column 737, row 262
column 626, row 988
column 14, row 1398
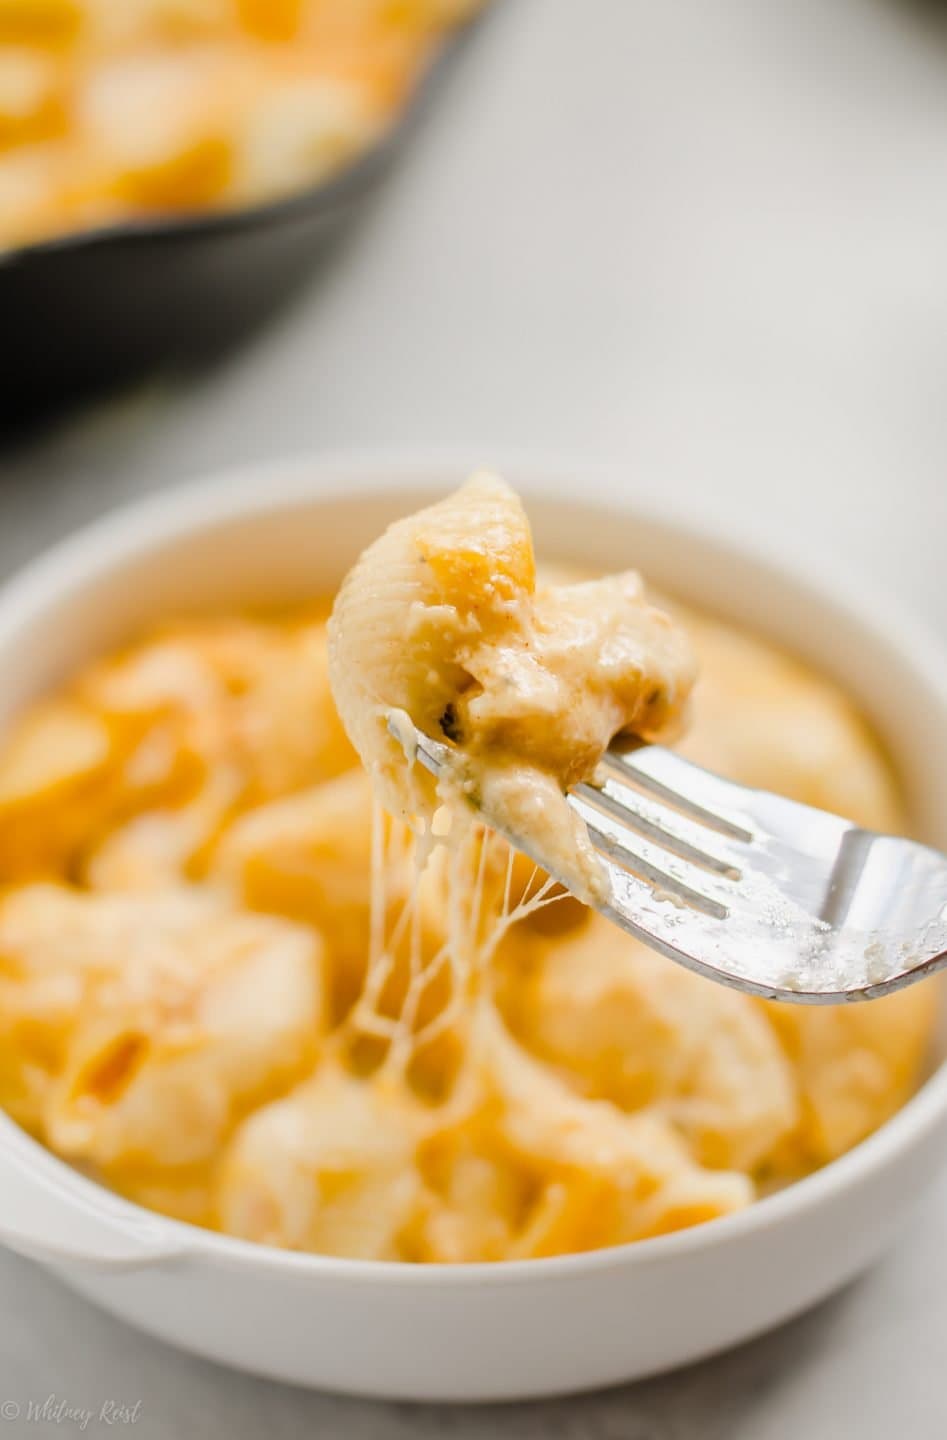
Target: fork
column 766, row 895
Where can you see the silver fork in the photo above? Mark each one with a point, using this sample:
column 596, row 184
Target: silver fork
column 766, row 895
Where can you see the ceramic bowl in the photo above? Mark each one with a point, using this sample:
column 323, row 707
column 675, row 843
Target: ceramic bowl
column 476, row 1332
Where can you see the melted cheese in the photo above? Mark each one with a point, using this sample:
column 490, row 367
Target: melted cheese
column 237, row 990
column 114, row 109
column 442, row 620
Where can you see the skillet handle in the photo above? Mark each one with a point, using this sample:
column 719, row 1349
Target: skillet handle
column 51, row 1214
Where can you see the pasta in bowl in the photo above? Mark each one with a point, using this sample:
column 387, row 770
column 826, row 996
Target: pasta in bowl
column 230, row 988
column 189, row 1012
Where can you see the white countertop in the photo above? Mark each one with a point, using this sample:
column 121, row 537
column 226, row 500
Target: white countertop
column 708, row 241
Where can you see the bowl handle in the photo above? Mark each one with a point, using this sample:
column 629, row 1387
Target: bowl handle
column 52, row 1214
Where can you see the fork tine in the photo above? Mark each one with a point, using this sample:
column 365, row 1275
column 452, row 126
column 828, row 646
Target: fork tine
column 816, row 912
column 662, row 864
column 668, row 874
column 687, row 787
column 434, row 755
column 697, row 942
column 664, row 825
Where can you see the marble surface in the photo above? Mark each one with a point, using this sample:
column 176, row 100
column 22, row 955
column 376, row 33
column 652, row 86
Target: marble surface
column 708, row 241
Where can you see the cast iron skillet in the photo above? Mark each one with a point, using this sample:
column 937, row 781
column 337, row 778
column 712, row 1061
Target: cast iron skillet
column 105, row 306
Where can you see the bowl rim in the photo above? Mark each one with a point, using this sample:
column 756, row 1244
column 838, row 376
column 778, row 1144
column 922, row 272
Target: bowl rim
column 187, row 509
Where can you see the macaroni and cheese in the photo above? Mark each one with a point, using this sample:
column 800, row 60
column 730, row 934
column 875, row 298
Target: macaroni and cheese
column 237, row 991
column 116, row 109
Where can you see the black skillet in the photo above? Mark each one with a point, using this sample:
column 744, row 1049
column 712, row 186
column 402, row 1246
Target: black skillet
column 103, row 307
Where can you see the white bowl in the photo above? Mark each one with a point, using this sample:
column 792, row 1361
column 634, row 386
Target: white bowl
column 478, row 1332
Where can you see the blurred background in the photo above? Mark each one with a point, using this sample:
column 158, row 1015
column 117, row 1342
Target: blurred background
column 706, row 241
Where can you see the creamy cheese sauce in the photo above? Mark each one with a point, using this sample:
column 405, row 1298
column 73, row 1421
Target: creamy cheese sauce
column 237, row 989
column 442, row 620
column 111, row 110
